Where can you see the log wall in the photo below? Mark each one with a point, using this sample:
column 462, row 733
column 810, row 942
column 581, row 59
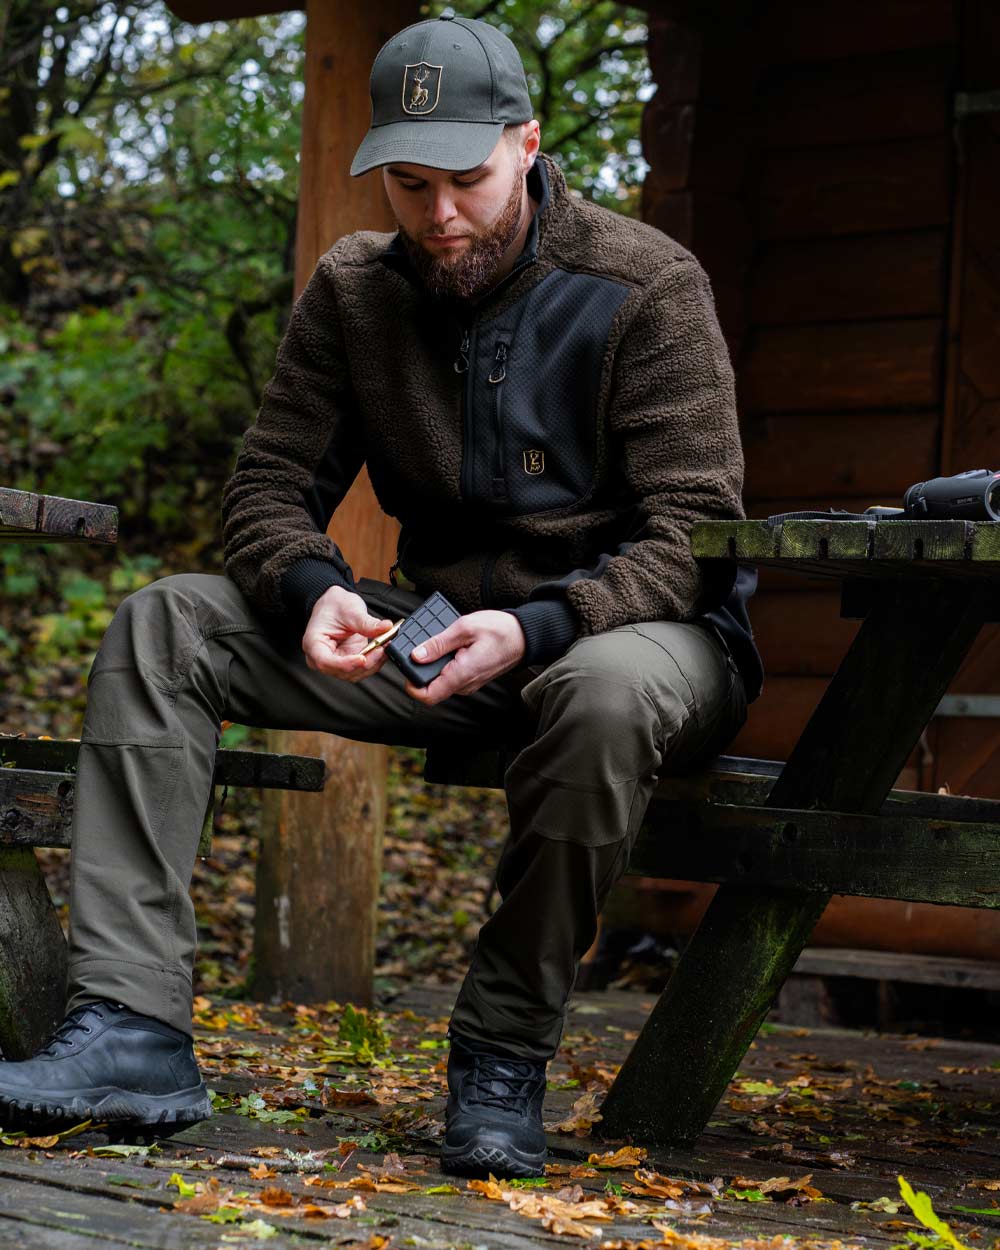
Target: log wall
column 811, row 158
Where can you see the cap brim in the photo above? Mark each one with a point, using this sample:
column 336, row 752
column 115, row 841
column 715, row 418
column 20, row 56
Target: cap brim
column 442, row 145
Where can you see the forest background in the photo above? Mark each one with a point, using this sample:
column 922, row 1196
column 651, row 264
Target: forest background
column 148, row 197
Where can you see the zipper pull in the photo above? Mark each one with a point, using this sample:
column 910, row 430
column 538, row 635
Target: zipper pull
column 500, row 366
column 462, row 363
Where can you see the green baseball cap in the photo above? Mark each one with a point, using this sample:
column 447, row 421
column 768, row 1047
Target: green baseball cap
column 442, row 91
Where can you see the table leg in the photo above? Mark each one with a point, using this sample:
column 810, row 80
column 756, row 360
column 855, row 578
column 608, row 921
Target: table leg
column 847, row 759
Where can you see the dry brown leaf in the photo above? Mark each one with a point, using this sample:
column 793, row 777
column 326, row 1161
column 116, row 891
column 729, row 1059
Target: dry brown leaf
column 537, row 1206
column 331, row 1097
column 489, row 1189
column 262, row 1172
column 765, row 1187
column 327, row 1211
column 370, row 1185
column 581, row 1119
column 392, row 1168
column 276, row 1197
column 39, row 1143
column 576, row 1171
column 624, row 1157
column 568, row 1228
column 201, row 1204
column 654, row 1185
column 209, row 1197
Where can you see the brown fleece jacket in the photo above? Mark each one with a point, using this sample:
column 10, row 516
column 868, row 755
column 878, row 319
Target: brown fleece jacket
column 368, row 372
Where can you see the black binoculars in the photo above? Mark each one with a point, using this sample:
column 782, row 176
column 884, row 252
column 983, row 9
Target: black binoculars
column 970, row 496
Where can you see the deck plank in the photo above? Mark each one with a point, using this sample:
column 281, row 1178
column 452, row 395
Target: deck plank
column 64, row 1203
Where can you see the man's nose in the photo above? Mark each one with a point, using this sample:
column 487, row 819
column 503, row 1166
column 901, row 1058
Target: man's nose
column 440, row 206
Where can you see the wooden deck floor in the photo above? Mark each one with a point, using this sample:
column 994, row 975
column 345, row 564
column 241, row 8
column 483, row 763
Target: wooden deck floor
column 852, row 1110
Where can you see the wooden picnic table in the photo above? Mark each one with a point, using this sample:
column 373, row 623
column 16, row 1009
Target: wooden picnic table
column 924, row 589
column 37, row 779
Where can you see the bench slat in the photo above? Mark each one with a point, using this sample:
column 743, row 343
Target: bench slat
column 232, row 768
column 730, row 779
column 882, row 856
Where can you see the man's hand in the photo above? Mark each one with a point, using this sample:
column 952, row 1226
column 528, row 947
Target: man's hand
column 485, row 643
column 338, row 629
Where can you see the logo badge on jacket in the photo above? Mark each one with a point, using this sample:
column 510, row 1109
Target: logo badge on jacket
column 534, row 461
column 421, row 88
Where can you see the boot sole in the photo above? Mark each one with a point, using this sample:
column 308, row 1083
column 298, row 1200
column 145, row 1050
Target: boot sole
column 109, row 1105
column 487, row 1154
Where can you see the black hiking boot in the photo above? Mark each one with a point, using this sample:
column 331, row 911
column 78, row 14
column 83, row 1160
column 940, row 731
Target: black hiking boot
column 108, row 1064
column 494, row 1116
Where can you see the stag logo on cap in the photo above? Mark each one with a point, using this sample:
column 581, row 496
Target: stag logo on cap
column 421, row 88
column 534, row 461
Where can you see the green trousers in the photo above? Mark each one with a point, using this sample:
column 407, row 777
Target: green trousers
column 591, row 731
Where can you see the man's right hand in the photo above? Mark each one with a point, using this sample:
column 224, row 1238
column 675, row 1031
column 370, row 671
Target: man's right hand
column 340, row 626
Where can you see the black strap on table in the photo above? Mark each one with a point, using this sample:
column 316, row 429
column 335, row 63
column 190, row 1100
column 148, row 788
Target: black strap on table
column 833, row 514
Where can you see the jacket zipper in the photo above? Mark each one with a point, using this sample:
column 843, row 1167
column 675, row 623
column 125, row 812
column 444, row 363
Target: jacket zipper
column 486, row 583
column 496, row 379
column 464, row 365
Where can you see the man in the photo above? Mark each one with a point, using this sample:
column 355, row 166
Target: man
column 542, row 396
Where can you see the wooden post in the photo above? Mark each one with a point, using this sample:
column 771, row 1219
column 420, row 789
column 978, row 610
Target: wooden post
column 320, row 857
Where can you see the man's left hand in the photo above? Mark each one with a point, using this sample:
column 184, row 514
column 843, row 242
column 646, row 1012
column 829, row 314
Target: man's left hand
column 485, row 643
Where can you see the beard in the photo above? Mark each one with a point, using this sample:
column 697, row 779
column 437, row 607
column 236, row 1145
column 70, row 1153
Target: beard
column 471, row 271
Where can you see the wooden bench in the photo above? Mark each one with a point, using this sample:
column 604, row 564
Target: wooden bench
column 782, row 839
column 36, row 803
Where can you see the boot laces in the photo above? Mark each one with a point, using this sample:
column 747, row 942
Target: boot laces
column 506, row 1084
column 65, row 1033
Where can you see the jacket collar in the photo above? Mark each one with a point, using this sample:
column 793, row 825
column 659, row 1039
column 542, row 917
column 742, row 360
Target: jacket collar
column 546, row 185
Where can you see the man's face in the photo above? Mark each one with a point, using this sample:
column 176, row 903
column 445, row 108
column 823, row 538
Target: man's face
column 456, row 225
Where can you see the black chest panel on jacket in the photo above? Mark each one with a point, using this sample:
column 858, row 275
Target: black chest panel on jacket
column 531, row 395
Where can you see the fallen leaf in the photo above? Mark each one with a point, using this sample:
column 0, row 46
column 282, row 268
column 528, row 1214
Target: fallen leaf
column 581, row 1119
column 275, row 1197
column 625, row 1157
column 489, row 1188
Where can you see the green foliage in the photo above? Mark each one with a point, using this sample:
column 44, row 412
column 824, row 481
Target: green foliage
column 364, row 1033
column 234, row 736
column 254, row 1107
column 920, row 1204
column 149, row 227
column 589, row 78
column 84, row 609
column 373, row 1140
column 148, row 197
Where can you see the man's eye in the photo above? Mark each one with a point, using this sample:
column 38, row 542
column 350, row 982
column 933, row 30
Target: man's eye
column 417, row 186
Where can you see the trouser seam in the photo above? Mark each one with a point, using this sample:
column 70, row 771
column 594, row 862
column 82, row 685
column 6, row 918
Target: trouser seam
column 172, row 970
column 581, row 787
column 172, row 691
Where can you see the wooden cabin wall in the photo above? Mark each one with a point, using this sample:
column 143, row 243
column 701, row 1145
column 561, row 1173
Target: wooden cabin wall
column 808, row 156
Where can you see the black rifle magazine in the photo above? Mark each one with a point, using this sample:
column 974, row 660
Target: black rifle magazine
column 433, row 615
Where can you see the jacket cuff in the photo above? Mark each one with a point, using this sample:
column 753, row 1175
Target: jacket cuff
column 305, row 581
column 550, row 628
